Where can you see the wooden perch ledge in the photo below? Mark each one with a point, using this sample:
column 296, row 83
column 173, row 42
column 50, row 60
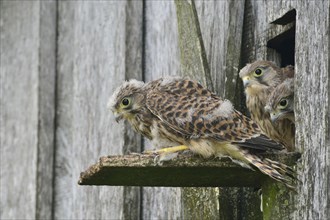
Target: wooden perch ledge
column 182, row 171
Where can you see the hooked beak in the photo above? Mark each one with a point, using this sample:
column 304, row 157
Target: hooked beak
column 246, row 81
column 118, row 117
column 274, row 117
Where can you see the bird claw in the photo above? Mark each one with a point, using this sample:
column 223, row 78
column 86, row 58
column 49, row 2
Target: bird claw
column 150, row 152
column 156, row 160
column 161, row 158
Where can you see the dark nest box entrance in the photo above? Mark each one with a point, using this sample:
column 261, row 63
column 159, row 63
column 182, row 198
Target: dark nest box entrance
column 284, row 43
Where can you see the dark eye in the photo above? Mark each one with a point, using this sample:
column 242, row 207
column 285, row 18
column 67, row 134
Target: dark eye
column 125, row 102
column 283, row 103
column 258, row 72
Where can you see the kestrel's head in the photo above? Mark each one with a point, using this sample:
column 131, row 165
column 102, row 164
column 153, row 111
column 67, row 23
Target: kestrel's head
column 281, row 102
column 127, row 99
column 260, row 75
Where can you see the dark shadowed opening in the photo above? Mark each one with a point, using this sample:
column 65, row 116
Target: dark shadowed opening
column 284, row 43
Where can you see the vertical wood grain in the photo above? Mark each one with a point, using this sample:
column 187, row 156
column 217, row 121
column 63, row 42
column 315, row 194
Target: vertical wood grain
column 162, row 58
column 26, row 131
column 221, row 24
column 133, row 70
column 46, row 109
column 92, row 62
column 312, row 109
column 256, row 32
column 222, row 27
column 99, row 45
column 200, row 202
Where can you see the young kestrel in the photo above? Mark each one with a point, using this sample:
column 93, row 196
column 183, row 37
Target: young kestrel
column 180, row 113
column 260, row 79
column 281, row 102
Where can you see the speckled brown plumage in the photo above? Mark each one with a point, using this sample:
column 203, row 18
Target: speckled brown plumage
column 280, row 103
column 176, row 111
column 258, row 88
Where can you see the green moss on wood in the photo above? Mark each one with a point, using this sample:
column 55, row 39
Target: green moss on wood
column 277, row 202
column 193, row 59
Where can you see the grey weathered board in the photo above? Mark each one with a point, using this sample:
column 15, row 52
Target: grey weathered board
column 161, row 59
column 221, row 25
column 256, row 33
column 27, row 104
column 19, row 108
column 311, row 75
column 92, row 52
column 193, row 62
column 66, row 57
column 313, row 109
column 255, row 37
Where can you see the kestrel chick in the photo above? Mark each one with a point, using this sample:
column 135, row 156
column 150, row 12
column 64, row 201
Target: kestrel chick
column 260, row 79
column 180, row 112
column 281, row 102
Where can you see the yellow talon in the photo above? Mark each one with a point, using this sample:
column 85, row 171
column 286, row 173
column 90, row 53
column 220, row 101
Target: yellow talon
column 167, row 150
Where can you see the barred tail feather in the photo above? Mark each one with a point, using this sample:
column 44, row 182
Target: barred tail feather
column 276, row 170
column 282, row 168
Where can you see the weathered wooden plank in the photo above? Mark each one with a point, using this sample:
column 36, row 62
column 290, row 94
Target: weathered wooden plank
column 162, row 53
column 221, row 25
column 46, row 109
column 181, row 171
column 250, row 40
column 161, row 58
column 312, row 74
column 20, row 39
column 64, row 112
column 196, row 202
column 37, row 63
column 23, row 26
column 193, row 59
column 258, row 30
column 133, row 69
column 277, row 201
column 312, row 109
column 92, row 62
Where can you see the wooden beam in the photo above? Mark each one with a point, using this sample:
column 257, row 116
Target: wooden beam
column 182, row 171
